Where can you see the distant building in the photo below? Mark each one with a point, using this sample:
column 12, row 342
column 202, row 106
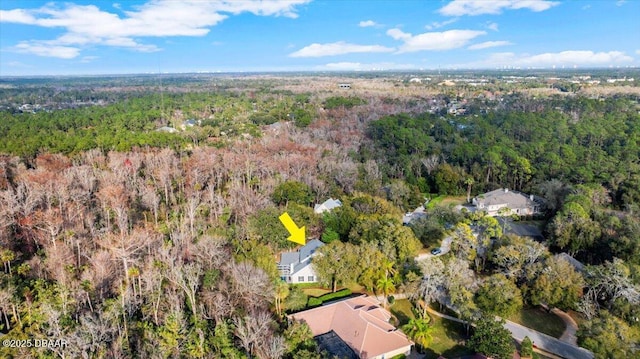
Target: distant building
column 295, row 267
column 344, row 86
column 188, row 123
column 505, row 202
column 355, row 328
column 327, row 206
column 167, row 129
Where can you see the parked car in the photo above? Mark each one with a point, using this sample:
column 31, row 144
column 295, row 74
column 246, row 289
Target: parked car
column 436, row 251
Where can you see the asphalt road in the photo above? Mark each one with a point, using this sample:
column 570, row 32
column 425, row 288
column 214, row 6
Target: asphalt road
column 548, row 343
column 540, row 340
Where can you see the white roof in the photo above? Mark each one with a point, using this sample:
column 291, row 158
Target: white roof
column 327, row 205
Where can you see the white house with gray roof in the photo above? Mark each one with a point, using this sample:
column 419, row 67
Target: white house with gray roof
column 505, row 202
column 295, row 267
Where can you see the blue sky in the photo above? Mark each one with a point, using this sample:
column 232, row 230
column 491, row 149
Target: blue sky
column 102, row 37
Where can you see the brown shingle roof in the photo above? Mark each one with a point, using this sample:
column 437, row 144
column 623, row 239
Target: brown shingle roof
column 360, row 322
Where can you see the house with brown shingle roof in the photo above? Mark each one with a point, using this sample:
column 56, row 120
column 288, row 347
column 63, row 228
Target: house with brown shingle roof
column 360, row 323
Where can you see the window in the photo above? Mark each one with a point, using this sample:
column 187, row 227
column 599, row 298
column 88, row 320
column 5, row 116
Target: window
column 310, row 278
column 301, row 278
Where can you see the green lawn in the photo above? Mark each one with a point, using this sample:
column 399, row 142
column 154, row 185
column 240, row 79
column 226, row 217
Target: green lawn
column 448, row 336
column 448, row 339
column 540, row 320
column 434, row 201
column 446, row 201
column 356, row 288
column 453, row 200
column 316, row 292
column 401, row 309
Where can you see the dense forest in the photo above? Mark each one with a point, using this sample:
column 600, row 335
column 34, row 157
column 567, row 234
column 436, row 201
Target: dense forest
column 131, row 242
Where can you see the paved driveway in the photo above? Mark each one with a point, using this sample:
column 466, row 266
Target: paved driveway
column 445, row 246
column 520, row 229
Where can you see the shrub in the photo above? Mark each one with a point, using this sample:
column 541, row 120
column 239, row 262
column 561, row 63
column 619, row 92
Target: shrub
column 314, row 302
column 317, row 301
column 391, row 299
column 526, row 349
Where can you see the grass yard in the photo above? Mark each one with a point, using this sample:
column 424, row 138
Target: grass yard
column 448, row 339
column 540, row 320
column 434, row 201
column 401, row 309
column 448, row 336
column 446, row 201
column 356, row 288
column 316, row 292
column 453, row 200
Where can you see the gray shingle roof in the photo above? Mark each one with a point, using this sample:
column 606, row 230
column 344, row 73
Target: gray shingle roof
column 504, row 196
column 300, row 258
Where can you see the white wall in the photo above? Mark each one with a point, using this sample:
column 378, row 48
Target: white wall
column 305, row 272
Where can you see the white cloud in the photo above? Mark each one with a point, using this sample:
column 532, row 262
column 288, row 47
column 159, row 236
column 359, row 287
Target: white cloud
column 492, row 26
column 580, row 58
column 638, row 52
column 357, row 66
column 620, row 2
column 434, row 41
column 398, row 34
column 367, row 23
column 489, row 44
column 88, row 59
column 47, row 50
column 436, row 25
column 17, row 64
column 337, row 48
column 480, row 7
column 551, row 59
column 88, row 24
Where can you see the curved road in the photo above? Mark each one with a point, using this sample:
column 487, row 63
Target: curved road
column 565, row 347
column 548, row 343
column 541, row 341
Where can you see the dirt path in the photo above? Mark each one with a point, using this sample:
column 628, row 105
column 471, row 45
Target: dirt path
column 569, row 335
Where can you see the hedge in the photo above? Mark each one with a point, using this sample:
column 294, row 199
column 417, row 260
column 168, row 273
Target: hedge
column 317, row 301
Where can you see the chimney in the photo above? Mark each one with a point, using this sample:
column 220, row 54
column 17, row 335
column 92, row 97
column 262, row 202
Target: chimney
column 506, row 190
column 531, row 197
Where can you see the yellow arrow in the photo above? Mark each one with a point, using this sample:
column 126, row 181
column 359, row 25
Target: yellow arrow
column 297, row 234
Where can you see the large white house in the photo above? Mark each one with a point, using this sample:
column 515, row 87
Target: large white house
column 505, row 202
column 295, row 267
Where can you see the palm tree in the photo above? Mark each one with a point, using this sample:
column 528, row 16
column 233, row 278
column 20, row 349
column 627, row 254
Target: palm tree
column 387, row 267
column 469, row 182
column 419, row 330
column 386, row 286
column 281, row 293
